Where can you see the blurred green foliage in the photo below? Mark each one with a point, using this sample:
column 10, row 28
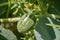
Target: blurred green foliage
column 45, row 15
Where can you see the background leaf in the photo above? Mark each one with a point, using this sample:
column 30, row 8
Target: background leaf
column 46, row 32
column 2, row 37
column 57, row 32
column 7, row 34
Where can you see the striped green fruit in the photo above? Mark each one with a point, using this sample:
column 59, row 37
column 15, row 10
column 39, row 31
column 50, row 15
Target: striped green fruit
column 24, row 23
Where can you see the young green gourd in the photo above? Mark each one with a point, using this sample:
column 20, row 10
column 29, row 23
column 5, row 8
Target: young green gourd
column 24, row 23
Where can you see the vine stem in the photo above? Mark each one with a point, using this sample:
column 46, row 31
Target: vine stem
column 10, row 19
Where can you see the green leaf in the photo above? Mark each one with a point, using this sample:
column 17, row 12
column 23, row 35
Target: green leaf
column 37, row 35
column 7, row 34
column 57, row 32
column 2, row 37
column 47, row 33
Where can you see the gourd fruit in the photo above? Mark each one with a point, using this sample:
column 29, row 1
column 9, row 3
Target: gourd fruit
column 24, row 23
